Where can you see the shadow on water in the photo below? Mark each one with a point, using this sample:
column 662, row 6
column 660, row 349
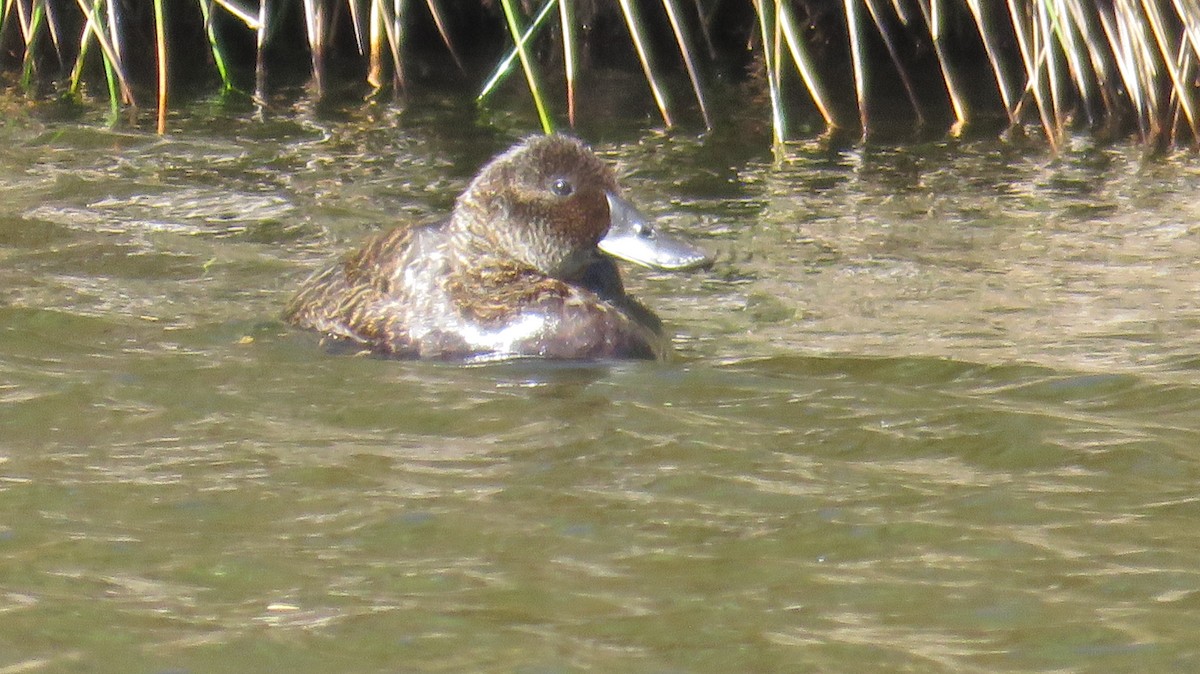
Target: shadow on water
column 933, row 409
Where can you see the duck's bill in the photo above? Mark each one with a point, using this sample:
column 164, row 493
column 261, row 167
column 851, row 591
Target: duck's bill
column 631, row 237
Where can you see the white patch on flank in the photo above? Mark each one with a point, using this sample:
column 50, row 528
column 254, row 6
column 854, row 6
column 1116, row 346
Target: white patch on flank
column 503, row 340
column 432, row 312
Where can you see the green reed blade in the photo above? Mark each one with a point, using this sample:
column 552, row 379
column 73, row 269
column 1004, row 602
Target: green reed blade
column 260, row 52
column 854, row 26
column 504, row 67
column 1189, row 16
column 391, row 20
column 1148, row 68
column 705, row 23
column 777, row 59
column 86, row 39
column 1072, row 42
column 314, row 29
column 85, row 43
column 932, row 13
column 1054, row 65
column 1022, row 32
column 1039, row 79
column 514, row 30
column 311, row 12
column 246, row 16
column 396, row 35
column 113, row 84
column 214, row 45
column 1183, row 60
column 1181, row 88
column 767, row 25
column 1130, row 26
column 1025, row 35
column 385, row 31
column 1085, row 16
column 111, row 60
column 905, row 11
column 436, row 10
column 566, row 13
column 685, row 51
column 24, row 21
column 1065, row 35
column 33, row 39
column 160, row 41
column 989, row 34
column 116, row 28
column 53, row 23
column 358, row 23
column 375, row 38
column 1122, row 55
column 894, row 54
column 638, row 36
column 805, row 65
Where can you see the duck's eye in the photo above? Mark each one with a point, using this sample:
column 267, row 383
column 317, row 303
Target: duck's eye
column 643, row 230
column 562, row 187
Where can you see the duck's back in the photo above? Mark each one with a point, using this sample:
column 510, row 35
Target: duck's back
column 367, row 298
column 398, row 296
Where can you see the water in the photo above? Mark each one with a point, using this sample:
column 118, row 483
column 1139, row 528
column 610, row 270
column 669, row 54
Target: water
column 933, row 410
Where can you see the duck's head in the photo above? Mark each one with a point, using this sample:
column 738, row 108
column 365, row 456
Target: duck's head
column 551, row 204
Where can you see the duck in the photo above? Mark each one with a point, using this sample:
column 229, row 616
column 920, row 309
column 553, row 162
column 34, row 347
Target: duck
column 524, row 267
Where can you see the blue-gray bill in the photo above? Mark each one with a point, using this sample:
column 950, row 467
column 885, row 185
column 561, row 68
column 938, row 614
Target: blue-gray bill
column 631, row 237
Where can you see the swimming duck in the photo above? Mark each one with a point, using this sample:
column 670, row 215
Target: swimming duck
column 523, row 267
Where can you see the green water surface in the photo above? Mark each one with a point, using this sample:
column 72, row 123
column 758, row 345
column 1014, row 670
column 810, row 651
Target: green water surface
column 934, row 409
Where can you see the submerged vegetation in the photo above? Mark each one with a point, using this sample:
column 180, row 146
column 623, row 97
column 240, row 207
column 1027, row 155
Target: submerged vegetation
column 1114, row 66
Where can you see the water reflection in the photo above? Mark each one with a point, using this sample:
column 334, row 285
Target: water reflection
column 969, row 251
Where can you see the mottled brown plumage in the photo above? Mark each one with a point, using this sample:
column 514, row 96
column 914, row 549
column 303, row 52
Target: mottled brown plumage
column 515, row 271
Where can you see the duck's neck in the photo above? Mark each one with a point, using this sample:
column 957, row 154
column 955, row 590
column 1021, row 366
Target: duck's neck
column 488, row 287
column 472, row 255
column 476, row 252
